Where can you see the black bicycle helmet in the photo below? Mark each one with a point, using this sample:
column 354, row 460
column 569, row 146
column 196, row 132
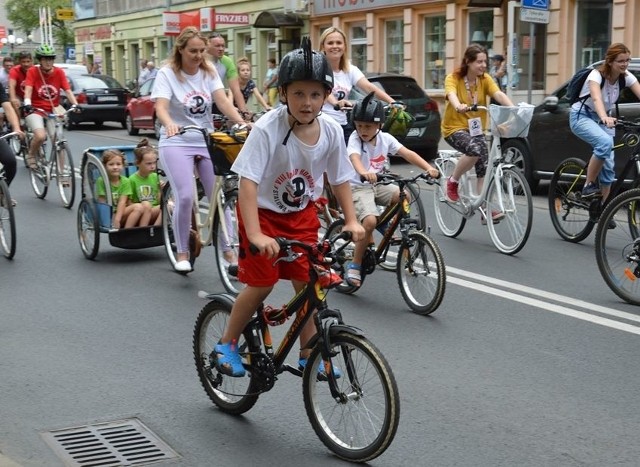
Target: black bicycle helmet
column 45, row 51
column 368, row 110
column 305, row 64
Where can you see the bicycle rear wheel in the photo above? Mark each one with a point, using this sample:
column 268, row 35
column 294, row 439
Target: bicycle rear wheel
column 227, row 243
column 360, row 424
column 88, row 227
column 448, row 215
column 168, row 204
column 38, row 175
column 65, row 176
column 618, row 248
column 421, row 273
column 511, row 195
column 570, row 214
column 232, row 395
column 7, row 222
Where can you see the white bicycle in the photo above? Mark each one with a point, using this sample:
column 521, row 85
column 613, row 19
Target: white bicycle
column 505, row 188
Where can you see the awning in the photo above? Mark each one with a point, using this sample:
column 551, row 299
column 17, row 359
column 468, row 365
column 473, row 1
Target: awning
column 270, row 19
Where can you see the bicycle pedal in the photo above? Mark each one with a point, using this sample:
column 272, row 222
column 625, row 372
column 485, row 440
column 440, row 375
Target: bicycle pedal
column 291, row 369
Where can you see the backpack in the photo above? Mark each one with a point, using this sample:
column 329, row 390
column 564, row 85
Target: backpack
column 577, row 81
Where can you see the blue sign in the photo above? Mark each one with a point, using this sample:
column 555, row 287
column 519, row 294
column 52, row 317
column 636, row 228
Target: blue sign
column 536, row 4
column 71, row 53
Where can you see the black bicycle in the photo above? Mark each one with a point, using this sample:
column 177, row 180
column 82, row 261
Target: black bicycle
column 573, row 216
column 355, row 414
column 7, row 216
column 419, row 265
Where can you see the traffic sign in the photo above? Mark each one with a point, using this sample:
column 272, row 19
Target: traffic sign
column 65, row 14
column 532, row 15
column 536, row 4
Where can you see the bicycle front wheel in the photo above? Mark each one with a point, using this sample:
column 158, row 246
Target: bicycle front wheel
column 7, row 222
column 38, row 175
column 421, row 273
column 231, row 395
column 449, row 216
column 511, row 195
column 360, row 424
column 65, row 176
column 570, row 214
column 618, row 246
column 227, row 244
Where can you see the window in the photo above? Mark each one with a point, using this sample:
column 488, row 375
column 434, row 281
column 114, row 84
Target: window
column 481, row 29
column 247, row 47
column 434, row 41
column 593, row 37
column 358, row 42
column 394, row 30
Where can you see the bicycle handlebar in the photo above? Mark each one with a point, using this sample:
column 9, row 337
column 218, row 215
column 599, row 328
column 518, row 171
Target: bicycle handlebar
column 313, row 250
column 388, row 178
column 205, row 131
column 28, row 110
column 9, row 135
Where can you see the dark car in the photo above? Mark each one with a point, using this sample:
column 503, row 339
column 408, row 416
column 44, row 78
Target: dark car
column 424, row 134
column 140, row 113
column 550, row 139
column 100, row 97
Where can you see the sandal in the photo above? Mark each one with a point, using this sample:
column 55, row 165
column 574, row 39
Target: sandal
column 227, row 359
column 353, row 277
column 322, row 376
column 31, row 162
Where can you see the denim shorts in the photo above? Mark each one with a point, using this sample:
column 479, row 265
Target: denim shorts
column 585, row 125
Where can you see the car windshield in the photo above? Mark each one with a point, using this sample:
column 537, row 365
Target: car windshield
column 93, row 82
column 401, row 88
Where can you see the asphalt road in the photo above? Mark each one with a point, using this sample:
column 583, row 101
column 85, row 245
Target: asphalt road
column 529, row 361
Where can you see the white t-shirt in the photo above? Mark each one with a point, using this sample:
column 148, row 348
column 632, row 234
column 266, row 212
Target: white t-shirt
column 291, row 175
column 342, row 84
column 373, row 158
column 189, row 103
column 610, row 92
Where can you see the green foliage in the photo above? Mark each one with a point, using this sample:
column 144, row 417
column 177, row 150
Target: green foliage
column 24, row 15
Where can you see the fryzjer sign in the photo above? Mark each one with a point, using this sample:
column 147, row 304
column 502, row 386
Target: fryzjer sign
column 332, row 7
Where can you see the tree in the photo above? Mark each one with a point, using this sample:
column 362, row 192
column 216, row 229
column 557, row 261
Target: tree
column 24, row 14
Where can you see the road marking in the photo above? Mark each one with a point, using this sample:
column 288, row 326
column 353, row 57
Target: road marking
column 563, row 310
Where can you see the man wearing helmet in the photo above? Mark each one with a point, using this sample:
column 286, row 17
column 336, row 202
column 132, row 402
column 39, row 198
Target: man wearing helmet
column 281, row 166
column 42, row 87
column 368, row 149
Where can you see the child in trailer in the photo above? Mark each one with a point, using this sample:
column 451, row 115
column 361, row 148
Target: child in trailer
column 145, row 184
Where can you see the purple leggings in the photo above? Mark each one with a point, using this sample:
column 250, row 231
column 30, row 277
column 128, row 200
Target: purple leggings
column 178, row 163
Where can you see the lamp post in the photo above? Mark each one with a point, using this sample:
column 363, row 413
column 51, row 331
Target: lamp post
column 12, row 41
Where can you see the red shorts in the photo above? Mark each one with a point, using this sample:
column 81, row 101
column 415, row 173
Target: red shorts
column 259, row 271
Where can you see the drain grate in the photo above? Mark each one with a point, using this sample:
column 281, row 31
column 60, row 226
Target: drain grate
column 118, row 443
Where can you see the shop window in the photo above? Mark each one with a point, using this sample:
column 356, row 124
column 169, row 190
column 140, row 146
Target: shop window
column 358, row 43
column 593, row 37
column 394, row 34
column 481, row 29
column 434, row 43
column 526, row 44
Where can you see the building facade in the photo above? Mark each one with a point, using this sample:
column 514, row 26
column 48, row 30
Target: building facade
column 425, row 39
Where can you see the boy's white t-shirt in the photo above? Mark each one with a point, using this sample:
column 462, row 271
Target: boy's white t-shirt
column 190, row 103
column 291, row 175
column 343, row 82
column 373, row 158
column 610, row 92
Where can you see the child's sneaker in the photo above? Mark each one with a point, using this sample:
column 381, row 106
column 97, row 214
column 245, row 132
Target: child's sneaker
column 452, row 191
column 227, row 359
column 322, row 376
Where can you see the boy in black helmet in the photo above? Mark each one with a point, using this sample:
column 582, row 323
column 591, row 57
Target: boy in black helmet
column 368, row 149
column 281, row 170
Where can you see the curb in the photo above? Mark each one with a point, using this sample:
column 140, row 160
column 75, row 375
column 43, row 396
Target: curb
column 6, row 462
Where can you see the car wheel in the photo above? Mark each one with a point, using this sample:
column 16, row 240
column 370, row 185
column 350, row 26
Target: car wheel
column 156, row 127
column 517, row 152
column 128, row 122
column 124, row 124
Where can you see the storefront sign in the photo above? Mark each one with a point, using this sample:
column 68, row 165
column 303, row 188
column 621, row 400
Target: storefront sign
column 232, row 18
column 332, row 7
column 205, row 19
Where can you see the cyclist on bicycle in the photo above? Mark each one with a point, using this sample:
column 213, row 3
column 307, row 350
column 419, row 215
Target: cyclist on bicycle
column 368, row 150
column 17, row 76
column 281, row 168
column 590, row 121
column 469, row 85
column 42, row 88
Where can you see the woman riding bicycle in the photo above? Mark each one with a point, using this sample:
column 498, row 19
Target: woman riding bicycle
column 469, row 85
column 590, row 120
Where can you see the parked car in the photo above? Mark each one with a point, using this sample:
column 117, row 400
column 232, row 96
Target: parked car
column 100, row 97
column 550, row 139
column 140, row 113
column 424, row 134
column 72, row 68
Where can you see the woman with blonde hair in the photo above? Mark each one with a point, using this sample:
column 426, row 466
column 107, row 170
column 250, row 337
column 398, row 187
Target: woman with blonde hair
column 346, row 75
column 184, row 91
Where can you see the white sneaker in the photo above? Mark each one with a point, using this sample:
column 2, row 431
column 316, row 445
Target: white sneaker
column 183, row 266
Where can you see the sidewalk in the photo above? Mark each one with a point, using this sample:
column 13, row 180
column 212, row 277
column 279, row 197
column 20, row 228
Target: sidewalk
column 6, row 462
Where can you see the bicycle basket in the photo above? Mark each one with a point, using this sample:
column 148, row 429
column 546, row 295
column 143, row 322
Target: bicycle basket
column 510, row 122
column 224, row 149
column 398, row 122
